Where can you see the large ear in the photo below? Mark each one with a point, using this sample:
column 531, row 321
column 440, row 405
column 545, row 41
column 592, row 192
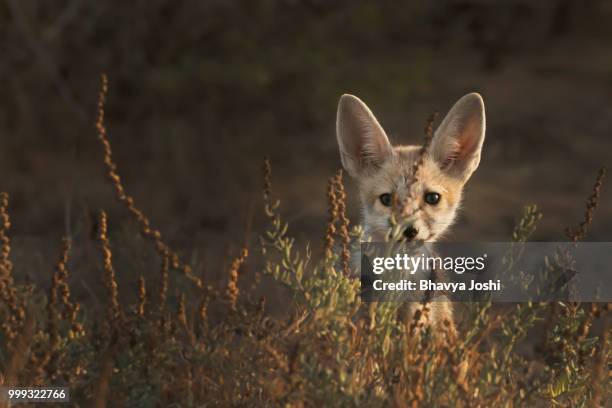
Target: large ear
column 458, row 140
column 362, row 141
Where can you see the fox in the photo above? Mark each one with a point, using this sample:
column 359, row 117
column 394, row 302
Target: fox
column 384, row 174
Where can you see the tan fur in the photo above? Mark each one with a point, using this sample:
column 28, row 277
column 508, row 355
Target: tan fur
column 380, row 168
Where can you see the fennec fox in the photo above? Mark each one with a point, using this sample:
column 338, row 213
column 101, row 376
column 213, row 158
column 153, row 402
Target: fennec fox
column 384, row 173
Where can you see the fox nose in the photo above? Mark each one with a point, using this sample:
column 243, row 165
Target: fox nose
column 410, row 233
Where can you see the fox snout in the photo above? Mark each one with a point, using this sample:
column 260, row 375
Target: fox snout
column 410, row 232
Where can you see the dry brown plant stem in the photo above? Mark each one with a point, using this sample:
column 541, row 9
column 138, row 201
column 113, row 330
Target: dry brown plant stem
column 426, row 143
column 338, row 223
column 8, row 292
column 163, row 286
column 142, row 296
column 20, row 351
column 52, row 314
column 343, row 230
column 146, row 229
column 110, row 280
column 579, row 233
column 333, row 217
column 267, row 190
column 71, row 309
column 6, row 266
column 182, row 311
column 232, row 290
column 399, row 206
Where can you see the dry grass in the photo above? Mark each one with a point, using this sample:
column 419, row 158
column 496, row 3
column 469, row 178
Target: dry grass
column 326, row 348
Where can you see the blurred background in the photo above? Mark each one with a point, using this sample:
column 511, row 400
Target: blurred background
column 201, row 91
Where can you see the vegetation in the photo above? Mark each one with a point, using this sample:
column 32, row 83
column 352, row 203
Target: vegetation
column 221, row 346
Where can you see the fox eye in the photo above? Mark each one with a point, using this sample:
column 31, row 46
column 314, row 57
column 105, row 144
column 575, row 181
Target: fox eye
column 432, row 198
column 385, row 199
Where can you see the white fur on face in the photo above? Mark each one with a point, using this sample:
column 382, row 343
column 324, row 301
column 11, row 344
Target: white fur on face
column 396, row 177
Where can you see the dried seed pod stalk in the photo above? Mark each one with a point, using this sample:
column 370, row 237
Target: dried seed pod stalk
column 343, row 230
column 182, row 311
column 142, row 296
column 579, row 233
column 426, row 143
column 333, row 217
column 8, row 293
column 6, row 267
column 163, row 286
column 232, row 290
column 71, row 309
column 109, row 271
column 52, row 314
column 146, row 229
column 429, row 134
column 267, row 190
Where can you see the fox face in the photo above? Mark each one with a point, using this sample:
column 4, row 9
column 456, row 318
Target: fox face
column 385, row 174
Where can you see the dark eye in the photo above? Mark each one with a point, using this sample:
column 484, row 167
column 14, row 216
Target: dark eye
column 432, row 198
column 385, row 199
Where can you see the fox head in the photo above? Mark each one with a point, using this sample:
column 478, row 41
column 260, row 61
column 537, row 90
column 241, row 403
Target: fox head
column 384, row 173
